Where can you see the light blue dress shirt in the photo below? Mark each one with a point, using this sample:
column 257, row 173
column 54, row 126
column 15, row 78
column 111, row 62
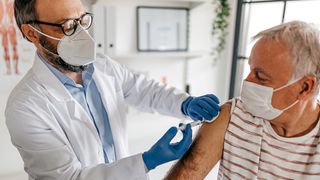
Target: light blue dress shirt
column 88, row 96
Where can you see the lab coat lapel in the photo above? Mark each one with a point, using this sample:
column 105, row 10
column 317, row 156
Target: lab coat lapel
column 59, row 94
column 49, row 81
column 105, row 85
column 78, row 113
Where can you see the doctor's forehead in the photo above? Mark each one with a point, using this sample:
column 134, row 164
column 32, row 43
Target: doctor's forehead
column 51, row 11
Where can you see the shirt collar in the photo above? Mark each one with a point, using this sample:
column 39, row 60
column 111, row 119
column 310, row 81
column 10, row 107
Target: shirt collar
column 65, row 80
column 87, row 75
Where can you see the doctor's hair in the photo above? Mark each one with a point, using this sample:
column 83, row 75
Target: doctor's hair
column 24, row 11
column 303, row 41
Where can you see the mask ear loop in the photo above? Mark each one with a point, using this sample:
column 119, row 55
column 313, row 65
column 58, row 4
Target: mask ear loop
column 54, row 54
column 54, row 38
column 57, row 39
column 290, row 105
column 288, row 84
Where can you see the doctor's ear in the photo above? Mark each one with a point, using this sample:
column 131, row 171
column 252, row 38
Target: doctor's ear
column 29, row 33
column 309, row 86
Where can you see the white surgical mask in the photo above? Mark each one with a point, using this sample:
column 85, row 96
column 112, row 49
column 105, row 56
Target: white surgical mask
column 78, row 49
column 257, row 100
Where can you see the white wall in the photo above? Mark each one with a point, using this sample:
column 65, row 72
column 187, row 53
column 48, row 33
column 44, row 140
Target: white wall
column 204, row 76
column 207, row 76
column 126, row 42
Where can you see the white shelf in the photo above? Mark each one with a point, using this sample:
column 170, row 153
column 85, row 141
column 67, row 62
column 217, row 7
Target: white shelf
column 192, row 3
column 162, row 55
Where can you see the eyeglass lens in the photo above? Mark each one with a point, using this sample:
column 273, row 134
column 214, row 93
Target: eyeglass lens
column 70, row 26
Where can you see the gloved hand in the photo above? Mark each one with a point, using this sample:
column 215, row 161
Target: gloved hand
column 203, row 107
column 163, row 152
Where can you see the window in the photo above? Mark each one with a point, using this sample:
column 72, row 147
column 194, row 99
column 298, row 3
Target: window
column 257, row 15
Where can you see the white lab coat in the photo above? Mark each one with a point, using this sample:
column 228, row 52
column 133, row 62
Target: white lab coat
column 57, row 140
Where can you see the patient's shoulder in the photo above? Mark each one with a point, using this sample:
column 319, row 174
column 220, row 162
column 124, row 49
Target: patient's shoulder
column 226, row 108
column 224, row 116
column 218, row 127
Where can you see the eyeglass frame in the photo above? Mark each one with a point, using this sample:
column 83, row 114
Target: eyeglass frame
column 76, row 20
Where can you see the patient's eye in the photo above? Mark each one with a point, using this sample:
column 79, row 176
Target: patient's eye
column 261, row 76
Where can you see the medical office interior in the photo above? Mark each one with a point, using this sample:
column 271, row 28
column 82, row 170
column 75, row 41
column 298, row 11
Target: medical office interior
column 170, row 41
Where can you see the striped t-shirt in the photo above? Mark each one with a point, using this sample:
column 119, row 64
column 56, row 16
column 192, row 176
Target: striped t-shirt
column 253, row 150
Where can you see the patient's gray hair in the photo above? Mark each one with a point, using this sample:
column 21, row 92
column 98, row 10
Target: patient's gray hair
column 303, row 40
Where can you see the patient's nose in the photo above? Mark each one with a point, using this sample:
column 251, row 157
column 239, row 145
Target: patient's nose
column 250, row 77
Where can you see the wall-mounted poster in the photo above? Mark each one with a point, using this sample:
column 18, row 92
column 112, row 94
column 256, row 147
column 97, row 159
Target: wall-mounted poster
column 162, row 29
column 16, row 53
column 13, row 50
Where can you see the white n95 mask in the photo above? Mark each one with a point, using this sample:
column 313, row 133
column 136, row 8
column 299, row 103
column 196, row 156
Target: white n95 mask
column 257, row 100
column 78, row 49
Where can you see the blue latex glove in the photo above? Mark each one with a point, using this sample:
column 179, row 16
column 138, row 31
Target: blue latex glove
column 203, row 107
column 163, row 152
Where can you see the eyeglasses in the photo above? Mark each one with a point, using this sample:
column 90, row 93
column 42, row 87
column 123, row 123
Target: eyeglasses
column 69, row 26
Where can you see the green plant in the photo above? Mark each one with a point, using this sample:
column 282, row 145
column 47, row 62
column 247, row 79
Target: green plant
column 220, row 26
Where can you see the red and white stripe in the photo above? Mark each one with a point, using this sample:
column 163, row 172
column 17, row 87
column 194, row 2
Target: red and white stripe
column 252, row 150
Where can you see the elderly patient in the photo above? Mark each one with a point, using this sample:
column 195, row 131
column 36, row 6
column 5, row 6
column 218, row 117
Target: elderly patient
column 272, row 131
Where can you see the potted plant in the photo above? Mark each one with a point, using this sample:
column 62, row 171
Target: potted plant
column 220, row 26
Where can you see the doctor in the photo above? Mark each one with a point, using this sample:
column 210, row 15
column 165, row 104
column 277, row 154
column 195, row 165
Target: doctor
column 67, row 115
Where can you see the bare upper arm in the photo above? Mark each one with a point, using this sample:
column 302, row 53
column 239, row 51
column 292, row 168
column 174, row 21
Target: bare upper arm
column 205, row 151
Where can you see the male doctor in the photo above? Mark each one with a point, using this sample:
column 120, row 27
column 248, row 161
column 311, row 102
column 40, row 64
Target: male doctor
column 67, row 116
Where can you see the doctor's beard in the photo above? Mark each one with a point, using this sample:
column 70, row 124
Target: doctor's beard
column 51, row 52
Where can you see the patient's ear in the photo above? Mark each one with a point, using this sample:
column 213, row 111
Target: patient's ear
column 309, row 87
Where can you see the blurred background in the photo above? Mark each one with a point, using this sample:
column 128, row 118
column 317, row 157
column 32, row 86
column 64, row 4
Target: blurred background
column 176, row 42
